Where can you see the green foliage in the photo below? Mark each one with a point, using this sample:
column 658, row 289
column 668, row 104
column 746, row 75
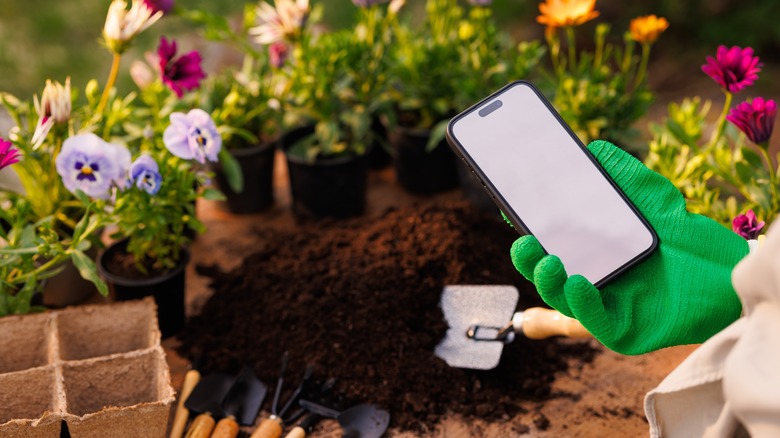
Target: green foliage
column 720, row 177
column 452, row 60
column 600, row 94
column 31, row 252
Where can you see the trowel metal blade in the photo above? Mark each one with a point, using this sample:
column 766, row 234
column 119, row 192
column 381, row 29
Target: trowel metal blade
column 466, row 305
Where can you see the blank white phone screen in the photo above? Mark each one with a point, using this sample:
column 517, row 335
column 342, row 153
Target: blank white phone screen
column 553, row 187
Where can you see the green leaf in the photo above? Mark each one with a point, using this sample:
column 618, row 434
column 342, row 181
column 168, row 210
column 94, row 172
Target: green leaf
column 213, row 195
column 88, row 270
column 235, row 177
column 437, row 135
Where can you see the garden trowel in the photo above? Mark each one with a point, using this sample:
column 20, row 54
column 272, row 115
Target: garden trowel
column 482, row 319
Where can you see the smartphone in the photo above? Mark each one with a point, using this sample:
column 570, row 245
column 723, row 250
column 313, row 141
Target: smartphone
column 547, row 183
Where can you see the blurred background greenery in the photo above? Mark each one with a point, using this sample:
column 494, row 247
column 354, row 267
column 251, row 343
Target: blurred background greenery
column 42, row 39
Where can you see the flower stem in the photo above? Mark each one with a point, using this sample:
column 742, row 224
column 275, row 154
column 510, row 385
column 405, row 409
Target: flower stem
column 572, row 52
column 718, row 133
column 772, row 178
column 110, row 83
column 640, row 74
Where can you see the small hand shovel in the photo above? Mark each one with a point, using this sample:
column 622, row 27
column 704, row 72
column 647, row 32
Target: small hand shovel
column 482, row 320
column 361, row 421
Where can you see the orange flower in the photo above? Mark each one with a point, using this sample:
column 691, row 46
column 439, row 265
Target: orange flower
column 647, row 29
column 562, row 13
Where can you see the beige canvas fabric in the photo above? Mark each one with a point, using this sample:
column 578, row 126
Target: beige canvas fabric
column 730, row 386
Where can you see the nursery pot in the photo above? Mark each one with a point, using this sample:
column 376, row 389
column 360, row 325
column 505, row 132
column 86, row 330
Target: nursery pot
column 257, row 167
column 167, row 288
column 475, row 192
column 418, row 170
column 68, row 287
column 378, row 155
column 327, row 187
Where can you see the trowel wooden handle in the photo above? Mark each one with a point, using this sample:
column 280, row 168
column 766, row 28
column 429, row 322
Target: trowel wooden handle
column 201, row 426
column 296, row 432
column 182, row 413
column 541, row 323
column 269, row 428
column 226, row 428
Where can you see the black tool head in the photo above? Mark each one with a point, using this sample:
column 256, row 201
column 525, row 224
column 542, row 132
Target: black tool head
column 245, row 397
column 364, row 421
column 208, row 394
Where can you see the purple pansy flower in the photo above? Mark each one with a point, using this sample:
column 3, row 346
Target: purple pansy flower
column 8, row 155
column 747, row 225
column 184, row 73
column 734, row 68
column 159, row 5
column 145, row 174
column 193, row 136
column 90, row 164
column 756, row 119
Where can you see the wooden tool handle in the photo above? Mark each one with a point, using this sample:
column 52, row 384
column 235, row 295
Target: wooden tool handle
column 296, row 432
column 182, row 413
column 269, row 428
column 201, row 426
column 541, row 323
column 226, row 428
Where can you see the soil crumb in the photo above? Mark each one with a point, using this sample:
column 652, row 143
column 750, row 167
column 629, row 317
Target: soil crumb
column 359, row 300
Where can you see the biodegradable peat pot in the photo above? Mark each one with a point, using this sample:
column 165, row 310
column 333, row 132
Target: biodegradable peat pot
column 418, row 170
column 327, row 187
column 475, row 192
column 257, row 167
column 167, row 289
column 100, row 368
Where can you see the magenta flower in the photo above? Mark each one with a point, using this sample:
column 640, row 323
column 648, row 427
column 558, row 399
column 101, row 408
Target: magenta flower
column 8, row 155
column 181, row 74
column 159, row 5
column 756, row 119
column 734, row 68
column 747, row 225
column 278, row 53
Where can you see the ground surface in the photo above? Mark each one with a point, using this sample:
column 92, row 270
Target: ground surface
column 598, row 398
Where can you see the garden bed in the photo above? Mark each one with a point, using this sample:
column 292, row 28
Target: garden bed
column 359, row 299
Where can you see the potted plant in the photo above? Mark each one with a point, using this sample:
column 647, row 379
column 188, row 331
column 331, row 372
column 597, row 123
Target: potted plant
column 33, row 252
column 243, row 104
column 326, row 153
column 601, row 93
column 455, row 58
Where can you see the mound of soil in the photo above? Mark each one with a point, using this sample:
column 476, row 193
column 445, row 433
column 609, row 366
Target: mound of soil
column 359, row 300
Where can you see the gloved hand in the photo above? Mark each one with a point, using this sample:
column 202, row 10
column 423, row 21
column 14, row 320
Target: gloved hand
column 681, row 294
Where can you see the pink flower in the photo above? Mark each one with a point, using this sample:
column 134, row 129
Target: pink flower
column 182, row 74
column 278, row 53
column 159, row 5
column 734, row 68
column 8, row 155
column 747, row 225
column 756, row 119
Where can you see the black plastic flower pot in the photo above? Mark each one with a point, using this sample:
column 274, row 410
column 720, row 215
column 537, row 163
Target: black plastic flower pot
column 378, row 156
column 327, row 187
column 257, row 167
column 474, row 192
column 167, row 288
column 419, row 170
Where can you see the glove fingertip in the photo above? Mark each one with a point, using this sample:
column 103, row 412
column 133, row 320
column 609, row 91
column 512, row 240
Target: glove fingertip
column 587, row 306
column 526, row 253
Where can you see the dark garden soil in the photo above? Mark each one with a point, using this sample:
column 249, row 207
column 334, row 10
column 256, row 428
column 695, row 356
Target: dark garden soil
column 359, row 300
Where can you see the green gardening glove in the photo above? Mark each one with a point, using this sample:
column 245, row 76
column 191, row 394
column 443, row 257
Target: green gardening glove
column 681, row 294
